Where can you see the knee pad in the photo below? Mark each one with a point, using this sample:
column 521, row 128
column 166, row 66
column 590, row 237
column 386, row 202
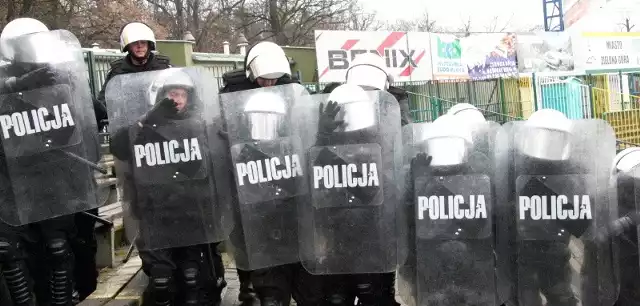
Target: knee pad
column 271, row 301
column 6, row 250
column 190, row 277
column 161, row 283
column 58, row 249
column 337, row 299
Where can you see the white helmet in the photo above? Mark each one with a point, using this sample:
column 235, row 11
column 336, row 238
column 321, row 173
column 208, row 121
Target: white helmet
column 16, row 28
column 467, row 112
column 168, row 79
column 137, row 31
column 266, row 60
column 627, row 160
column 265, row 112
column 357, row 109
column 369, row 69
column 447, row 141
column 548, row 136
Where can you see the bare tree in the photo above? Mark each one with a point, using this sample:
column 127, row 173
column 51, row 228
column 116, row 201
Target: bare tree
column 465, row 27
column 627, row 25
column 293, row 22
column 424, row 24
column 496, row 26
column 203, row 18
column 360, row 20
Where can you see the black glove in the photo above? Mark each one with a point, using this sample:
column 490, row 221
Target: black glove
column 420, row 164
column 223, row 135
column 119, row 145
column 41, row 77
column 163, row 109
column 327, row 122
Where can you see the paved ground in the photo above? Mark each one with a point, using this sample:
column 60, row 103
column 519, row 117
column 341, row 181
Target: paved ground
column 123, row 285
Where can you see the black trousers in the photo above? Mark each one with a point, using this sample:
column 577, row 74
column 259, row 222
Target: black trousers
column 178, row 275
column 277, row 285
column 370, row 289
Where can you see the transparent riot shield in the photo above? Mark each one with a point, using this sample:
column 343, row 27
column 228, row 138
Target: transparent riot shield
column 353, row 221
column 165, row 135
column 49, row 134
column 268, row 170
column 451, row 199
column 555, row 192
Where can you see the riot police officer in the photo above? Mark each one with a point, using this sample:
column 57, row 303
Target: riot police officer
column 34, row 77
column 166, row 163
column 258, row 93
column 450, row 193
column 138, row 41
column 369, row 72
column 625, row 183
column 357, row 128
column 552, row 200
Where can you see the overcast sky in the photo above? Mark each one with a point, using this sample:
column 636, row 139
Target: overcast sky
column 449, row 13
column 521, row 14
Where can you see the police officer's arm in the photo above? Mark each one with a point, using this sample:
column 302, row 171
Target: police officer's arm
column 119, row 144
column 403, row 99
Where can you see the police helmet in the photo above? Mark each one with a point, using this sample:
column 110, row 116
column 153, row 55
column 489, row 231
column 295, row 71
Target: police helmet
column 467, row 112
column 266, row 60
column 357, row 108
column 136, row 31
column 447, row 141
column 16, row 28
column 265, row 112
column 369, row 70
column 627, row 160
column 168, row 79
column 548, row 136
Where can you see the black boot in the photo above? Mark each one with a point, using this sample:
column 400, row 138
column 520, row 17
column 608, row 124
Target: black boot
column 246, row 295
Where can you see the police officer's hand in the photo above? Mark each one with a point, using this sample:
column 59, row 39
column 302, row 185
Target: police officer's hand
column 327, row 122
column 422, row 160
column 420, row 164
column 162, row 109
column 44, row 76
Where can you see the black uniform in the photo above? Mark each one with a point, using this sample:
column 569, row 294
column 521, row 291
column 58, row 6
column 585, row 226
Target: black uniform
column 49, row 243
column 551, row 276
column 87, row 280
column 371, row 289
column 628, row 242
column 178, row 275
column 275, row 285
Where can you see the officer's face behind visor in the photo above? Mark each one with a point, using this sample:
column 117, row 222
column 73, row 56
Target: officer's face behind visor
column 180, row 96
column 263, row 82
column 139, row 48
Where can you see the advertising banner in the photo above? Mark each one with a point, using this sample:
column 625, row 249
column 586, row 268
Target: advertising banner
column 406, row 53
column 608, row 51
column 479, row 56
column 545, row 52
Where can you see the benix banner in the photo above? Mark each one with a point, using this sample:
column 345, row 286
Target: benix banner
column 479, row 56
column 545, row 52
column 406, row 53
column 421, row 56
column 608, row 51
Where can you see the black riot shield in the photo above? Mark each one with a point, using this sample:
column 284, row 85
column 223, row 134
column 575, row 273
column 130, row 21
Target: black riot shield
column 451, row 198
column 353, row 223
column 555, row 196
column 268, row 170
column 49, row 134
column 165, row 135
